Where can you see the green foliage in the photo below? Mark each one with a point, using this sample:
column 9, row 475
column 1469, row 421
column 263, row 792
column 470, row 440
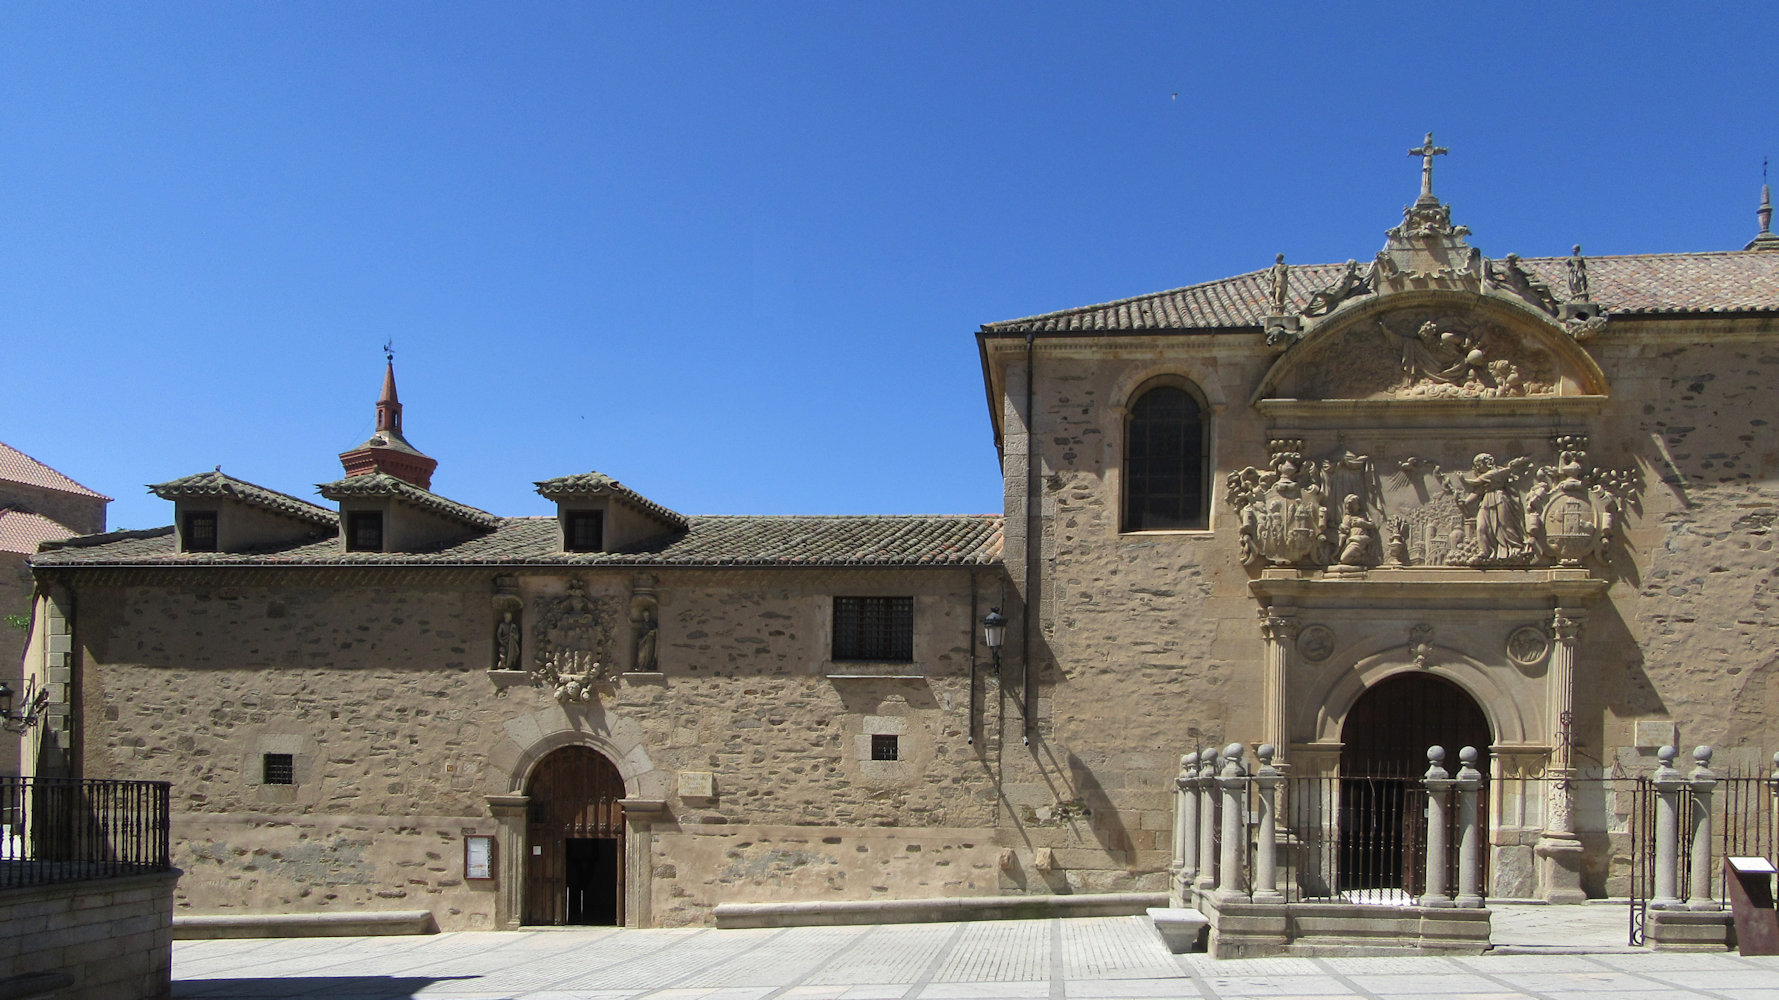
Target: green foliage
column 20, row 622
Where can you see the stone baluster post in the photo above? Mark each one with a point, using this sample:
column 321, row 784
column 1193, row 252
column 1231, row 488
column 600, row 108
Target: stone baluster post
column 1439, row 792
column 1233, row 783
column 1559, row 849
column 1266, row 851
column 1185, row 829
column 1469, row 782
column 1773, row 783
column 1278, row 627
column 1702, row 781
column 1207, row 820
column 1668, row 785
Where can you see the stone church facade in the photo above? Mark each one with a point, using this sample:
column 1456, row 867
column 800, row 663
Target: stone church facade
column 1525, row 504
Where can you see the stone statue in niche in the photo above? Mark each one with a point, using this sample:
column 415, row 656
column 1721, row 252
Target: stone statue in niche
column 644, row 620
column 1498, row 517
column 570, row 634
column 1283, row 511
column 1358, row 534
column 506, row 642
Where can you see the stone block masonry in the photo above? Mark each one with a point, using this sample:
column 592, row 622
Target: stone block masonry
column 111, row 938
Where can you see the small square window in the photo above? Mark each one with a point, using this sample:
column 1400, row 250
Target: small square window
column 885, row 747
column 584, row 531
column 197, row 533
column 277, row 769
column 364, row 531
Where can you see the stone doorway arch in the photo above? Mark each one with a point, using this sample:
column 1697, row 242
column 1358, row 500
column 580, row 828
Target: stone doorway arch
column 574, row 840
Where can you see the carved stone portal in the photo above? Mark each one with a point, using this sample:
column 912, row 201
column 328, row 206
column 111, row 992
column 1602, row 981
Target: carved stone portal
column 569, row 639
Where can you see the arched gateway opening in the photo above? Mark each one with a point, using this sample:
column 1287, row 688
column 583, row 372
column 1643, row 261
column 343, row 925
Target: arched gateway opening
column 574, row 840
column 1384, row 742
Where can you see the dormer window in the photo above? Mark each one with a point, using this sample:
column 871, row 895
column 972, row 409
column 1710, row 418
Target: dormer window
column 584, row 530
column 197, row 531
column 364, row 531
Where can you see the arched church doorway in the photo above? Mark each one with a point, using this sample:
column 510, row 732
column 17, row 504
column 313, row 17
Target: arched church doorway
column 1383, row 803
column 574, row 840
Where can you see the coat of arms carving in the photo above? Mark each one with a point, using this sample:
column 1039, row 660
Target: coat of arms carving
column 569, row 638
column 1283, row 511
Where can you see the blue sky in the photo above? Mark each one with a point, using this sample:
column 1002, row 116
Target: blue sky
column 734, row 254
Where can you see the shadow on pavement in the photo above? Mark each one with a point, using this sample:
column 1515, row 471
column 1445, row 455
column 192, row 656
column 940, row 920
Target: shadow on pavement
column 340, row 987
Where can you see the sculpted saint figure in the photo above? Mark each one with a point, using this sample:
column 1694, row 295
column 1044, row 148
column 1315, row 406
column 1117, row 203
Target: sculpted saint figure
column 645, row 637
column 1358, row 534
column 1578, row 275
column 1494, row 506
column 506, row 643
column 1281, row 290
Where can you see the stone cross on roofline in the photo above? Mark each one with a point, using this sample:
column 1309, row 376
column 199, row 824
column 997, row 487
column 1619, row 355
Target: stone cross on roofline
column 1427, row 151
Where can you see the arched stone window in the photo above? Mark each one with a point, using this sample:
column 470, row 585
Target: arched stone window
column 1165, row 461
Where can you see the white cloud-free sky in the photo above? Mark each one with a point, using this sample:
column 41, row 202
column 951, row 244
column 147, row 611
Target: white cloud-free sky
column 734, row 254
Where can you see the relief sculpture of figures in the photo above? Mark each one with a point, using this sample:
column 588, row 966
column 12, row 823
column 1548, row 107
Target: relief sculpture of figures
column 1283, row 512
column 1493, row 505
column 1358, row 535
column 570, row 635
column 1444, row 359
column 1351, row 282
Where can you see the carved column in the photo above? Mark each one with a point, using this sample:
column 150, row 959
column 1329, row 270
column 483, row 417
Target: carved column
column 509, row 852
column 1207, row 820
column 1185, row 866
column 1559, row 849
column 1469, row 782
column 1278, row 626
column 1233, row 783
column 1701, row 783
column 1266, row 868
column 1668, row 786
column 1439, row 790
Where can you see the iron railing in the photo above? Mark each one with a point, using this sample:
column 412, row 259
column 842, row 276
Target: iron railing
column 1744, row 823
column 69, row 829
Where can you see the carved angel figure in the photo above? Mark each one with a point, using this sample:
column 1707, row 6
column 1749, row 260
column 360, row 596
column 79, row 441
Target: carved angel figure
column 1351, row 282
column 1494, row 506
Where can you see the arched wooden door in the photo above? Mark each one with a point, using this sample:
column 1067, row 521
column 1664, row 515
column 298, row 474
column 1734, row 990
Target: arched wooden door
column 574, row 840
column 1383, row 757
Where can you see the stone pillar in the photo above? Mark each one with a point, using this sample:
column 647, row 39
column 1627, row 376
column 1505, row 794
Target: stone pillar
column 1701, row 783
column 1266, row 851
column 1559, row 849
column 1668, row 786
column 1278, row 627
column 1439, row 791
column 509, row 853
column 1207, row 820
column 639, row 859
column 1469, row 781
column 1185, row 866
column 1233, row 783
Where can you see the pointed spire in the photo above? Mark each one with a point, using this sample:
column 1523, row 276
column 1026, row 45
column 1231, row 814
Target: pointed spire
column 1765, row 240
column 387, row 450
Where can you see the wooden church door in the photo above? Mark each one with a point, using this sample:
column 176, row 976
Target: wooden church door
column 574, row 840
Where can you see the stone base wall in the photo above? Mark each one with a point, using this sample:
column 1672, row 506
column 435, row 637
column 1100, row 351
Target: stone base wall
column 1242, row 929
column 113, row 938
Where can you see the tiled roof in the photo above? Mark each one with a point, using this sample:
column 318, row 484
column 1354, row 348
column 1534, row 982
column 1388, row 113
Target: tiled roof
column 382, row 484
column 719, row 540
column 1721, row 282
column 218, row 484
column 591, row 484
column 21, row 531
column 18, row 467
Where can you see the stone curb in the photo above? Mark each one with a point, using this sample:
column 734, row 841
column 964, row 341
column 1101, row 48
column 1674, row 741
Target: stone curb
column 909, row 911
column 267, row 925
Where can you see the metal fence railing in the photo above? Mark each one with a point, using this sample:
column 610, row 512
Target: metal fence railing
column 69, row 829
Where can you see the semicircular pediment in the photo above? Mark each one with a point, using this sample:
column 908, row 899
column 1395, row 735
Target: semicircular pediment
column 1433, row 345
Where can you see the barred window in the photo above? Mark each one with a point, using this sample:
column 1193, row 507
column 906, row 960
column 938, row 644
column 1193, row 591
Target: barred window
column 277, row 769
column 885, row 747
column 198, row 532
column 364, row 531
column 584, row 530
column 874, row 628
column 1164, row 462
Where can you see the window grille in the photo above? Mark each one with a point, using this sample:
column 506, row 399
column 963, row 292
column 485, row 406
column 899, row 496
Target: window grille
column 885, row 747
column 277, row 769
column 874, row 628
column 364, row 531
column 1164, row 462
column 198, row 534
column 584, row 531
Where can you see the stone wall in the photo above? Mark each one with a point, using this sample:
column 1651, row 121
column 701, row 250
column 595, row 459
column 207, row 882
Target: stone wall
column 112, row 938
column 379, row 691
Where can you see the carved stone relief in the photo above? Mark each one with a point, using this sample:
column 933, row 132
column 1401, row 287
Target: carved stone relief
column 571, row 635
column 1528, row 645
column 1432, row 354
column 1316, row 643
column 1495, row 509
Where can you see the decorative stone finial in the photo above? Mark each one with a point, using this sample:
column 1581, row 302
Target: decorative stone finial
column 1702, row 756
column 1266, row 753
column 1766, row 239
column 1467, row 756
column 1435, row 755
column 1189, row 761
column 1232, row 752
column 1666, row 755
column 1427, row 151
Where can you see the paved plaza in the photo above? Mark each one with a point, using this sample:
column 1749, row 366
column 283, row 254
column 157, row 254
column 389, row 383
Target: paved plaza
column 1568, row 953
